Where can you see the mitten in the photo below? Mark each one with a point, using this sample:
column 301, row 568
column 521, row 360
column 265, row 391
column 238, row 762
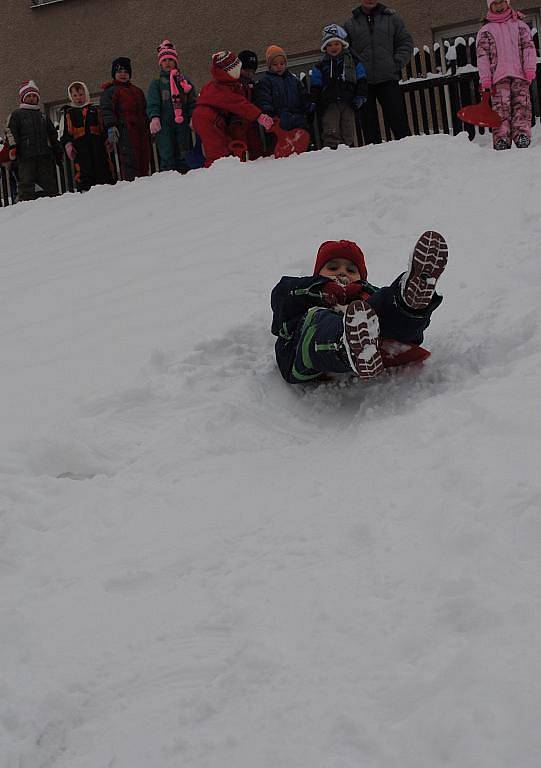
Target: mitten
column 266, row 121
column 353, row 292
column 113, row 134
column 333, row 294
column 530, row 75
column 155, row 125
column 71, row 152
column 359, row 101
column 13, row 153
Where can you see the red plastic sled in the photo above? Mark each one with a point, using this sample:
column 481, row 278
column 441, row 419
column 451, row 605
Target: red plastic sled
column 480, row 114
column 239, row 149
column 290, row 142
column 396, row 353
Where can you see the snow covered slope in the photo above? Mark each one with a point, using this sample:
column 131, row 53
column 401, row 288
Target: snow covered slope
column 201, row 567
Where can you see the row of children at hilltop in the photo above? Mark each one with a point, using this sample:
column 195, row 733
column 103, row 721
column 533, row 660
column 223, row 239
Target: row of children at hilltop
column 229, row 108
column 233, row 106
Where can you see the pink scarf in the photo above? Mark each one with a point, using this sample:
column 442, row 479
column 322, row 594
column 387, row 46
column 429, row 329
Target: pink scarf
column 176, row 79
column 509, row 15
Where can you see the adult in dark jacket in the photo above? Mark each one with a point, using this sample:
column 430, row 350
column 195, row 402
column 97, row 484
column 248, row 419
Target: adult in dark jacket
column 123, row 107
column 84, row 139
column 280, row 94
column 379, row 37
column 33, row 141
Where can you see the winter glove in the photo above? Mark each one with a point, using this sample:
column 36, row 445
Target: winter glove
column 359, row 101
column 71, row 152
column 113, row 134
column 354, row 291
column 265, row 121
column 155, row 125
column 334, row 294
column 13, row 153
column 530, row 75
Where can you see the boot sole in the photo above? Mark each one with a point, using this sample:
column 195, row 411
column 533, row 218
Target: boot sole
column 428, row 260
column 361, row 335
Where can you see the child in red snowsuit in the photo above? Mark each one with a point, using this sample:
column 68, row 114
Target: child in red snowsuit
column 124, row 110
column 219, row 99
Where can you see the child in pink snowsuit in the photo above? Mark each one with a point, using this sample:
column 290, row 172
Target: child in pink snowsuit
column 507, row 62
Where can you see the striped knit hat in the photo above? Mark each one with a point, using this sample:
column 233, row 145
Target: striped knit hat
column 228, row 62
column 27, row 88
column 166, row 50
column 334, row 33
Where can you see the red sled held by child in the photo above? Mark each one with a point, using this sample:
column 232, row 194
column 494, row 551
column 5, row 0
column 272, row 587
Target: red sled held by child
column 288, row 143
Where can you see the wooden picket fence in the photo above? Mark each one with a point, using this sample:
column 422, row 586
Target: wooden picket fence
column 436, row 84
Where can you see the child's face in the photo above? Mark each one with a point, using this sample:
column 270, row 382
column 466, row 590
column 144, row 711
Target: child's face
column 278, row 65
column 168, row 64
column 122, row 75
column 342, row 270
column 499, row 6
column 78, row 95
column 334, row 48
column 31, row 98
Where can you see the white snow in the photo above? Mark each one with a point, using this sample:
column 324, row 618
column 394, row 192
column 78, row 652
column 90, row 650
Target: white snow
column 201, row 566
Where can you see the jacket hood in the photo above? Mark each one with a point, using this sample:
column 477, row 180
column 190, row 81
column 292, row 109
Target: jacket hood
column 221, row 76
column 109, row 83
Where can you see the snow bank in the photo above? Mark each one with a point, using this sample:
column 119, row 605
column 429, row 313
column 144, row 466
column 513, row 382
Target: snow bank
column 203, row 567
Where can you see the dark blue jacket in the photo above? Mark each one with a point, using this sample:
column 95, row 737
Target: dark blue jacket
column 290, row 301
column 285, row 97
column 328, row 84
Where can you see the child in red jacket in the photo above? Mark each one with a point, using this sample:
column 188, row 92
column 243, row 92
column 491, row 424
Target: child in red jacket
column 124, row 110
column 218, row 101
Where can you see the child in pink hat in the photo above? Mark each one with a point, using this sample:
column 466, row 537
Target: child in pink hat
column 170, row 103
column 507, row 62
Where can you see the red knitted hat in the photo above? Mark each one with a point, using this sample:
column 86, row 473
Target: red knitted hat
column 28, row 87
column 228, row 62
column 340, row 249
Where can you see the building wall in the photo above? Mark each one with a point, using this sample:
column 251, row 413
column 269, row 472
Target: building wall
column 77, row 39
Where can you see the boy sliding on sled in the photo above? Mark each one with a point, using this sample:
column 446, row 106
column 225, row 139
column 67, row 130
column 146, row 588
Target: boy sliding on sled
column 336, row 322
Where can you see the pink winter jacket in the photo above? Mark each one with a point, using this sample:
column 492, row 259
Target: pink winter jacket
column 505, row 50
